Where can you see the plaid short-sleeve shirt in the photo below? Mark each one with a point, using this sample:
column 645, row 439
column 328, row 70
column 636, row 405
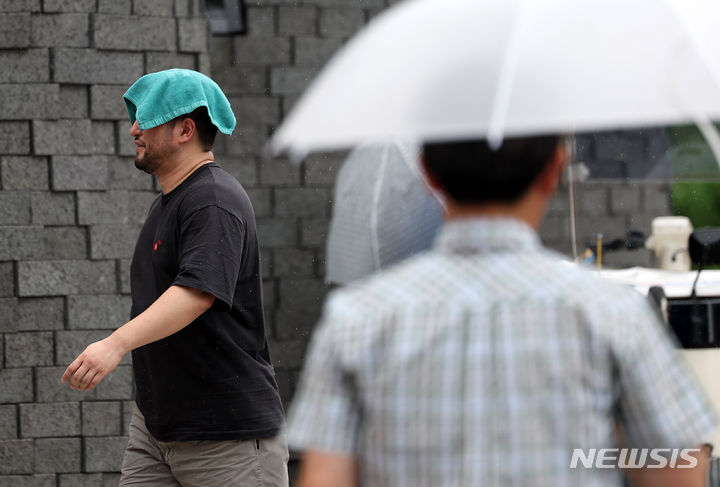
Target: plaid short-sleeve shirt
column 487, row 361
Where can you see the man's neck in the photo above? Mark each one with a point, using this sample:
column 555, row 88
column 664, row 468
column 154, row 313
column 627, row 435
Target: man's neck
column 530, row 210
column 181, row 170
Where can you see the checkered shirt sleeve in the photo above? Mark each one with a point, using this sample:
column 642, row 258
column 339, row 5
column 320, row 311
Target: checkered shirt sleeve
column 325, row 415
column 660, row 405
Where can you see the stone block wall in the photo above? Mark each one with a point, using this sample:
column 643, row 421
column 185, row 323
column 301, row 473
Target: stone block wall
column 71, row 205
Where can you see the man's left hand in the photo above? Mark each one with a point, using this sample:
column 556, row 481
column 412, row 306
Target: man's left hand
column 93, row 364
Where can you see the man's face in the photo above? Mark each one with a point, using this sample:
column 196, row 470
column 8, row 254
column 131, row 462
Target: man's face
column 153, row 146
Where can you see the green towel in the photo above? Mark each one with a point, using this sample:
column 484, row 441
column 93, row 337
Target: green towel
column 159, row 97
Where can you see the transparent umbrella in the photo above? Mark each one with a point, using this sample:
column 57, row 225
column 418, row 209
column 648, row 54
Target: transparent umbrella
column 383, row 211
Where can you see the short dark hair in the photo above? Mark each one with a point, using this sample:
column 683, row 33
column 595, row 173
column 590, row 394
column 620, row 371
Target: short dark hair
column 469, row 171
column 203, row 125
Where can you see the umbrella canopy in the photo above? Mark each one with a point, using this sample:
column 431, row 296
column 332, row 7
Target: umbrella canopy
column 383, row 211
column 452, row 69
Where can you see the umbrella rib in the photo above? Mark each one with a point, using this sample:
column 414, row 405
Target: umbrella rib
column 412, row 162
column 701, row 47
column 375, row 243
column 701, row 121
column 710, row 133
column 571, row 153
column 506, row 80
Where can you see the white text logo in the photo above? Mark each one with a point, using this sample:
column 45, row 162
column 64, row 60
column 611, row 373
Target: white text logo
column 634, row 458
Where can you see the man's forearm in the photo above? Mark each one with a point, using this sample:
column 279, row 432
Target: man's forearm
column 171, row 312
column 674, row 477
column 322, row 469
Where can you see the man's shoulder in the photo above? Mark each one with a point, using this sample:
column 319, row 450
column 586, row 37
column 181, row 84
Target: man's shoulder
column 584, row 285
column 215, row 187
column 212, row 180
column 434, row 278
column 400, row 284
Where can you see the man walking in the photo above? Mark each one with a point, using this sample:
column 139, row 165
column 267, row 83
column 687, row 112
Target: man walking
column 208, row 410
column 488, row 360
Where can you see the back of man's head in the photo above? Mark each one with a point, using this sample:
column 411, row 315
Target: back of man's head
column 470, row 172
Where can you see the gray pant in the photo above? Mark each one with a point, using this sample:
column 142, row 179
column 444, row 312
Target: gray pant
column 149, row 462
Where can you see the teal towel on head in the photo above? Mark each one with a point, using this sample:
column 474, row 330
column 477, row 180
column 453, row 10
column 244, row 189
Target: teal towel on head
column 159, row 97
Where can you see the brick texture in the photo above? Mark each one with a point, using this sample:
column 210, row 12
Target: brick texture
column 123, row 175
column 97, row 312
column 102, row 418
column 79, row 173
column 16, row 456
column 7, row 278
column 68, row 5
column 341, row 21
column 139, row 33
column 158, row 61
column 107, row 102
column 113, row 241
column 102, row 207
column 45, row 101
column 261, row 50
column 24, row 173
column 49, row 420
column 61, row 30
column 63, row 137
column 192, row 35
column 115, row 6
column 161, row 8
column 29, row 349
column 8, row 422
column 15, row 30
column 21, row 242
column 81, row 480
column 52, row 208
column 314, row 51
column 57, row 455
column 14, row 136
column 297, row 20
column 64, row 277
column 25, row 66
column 47, row 480
column 20, row 6
column 88, row 66
column 74, row 101
column 104, row 454
column 14, row 208
column 16, row 385
column 34, row 314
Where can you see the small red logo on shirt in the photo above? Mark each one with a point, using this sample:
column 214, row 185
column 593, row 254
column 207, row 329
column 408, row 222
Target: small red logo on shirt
column 156, row 245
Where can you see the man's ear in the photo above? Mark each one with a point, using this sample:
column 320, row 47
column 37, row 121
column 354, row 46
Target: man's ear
column 552, row 174
column 429, row 176
column 186, row 130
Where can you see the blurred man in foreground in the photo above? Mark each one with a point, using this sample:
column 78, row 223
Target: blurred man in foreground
column 488, row 360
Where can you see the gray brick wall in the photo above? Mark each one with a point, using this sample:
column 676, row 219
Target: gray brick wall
column 71, row 201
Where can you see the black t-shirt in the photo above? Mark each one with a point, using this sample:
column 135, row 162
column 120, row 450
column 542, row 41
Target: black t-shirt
column 212, row 380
